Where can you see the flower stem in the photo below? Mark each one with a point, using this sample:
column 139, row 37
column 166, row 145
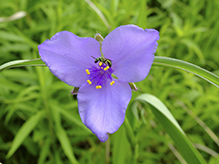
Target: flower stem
column 107, row 151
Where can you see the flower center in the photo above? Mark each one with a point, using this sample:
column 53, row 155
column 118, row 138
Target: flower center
column 100, row 76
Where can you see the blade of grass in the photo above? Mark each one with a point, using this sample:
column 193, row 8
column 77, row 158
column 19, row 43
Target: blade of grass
column 120, row 146
column 65, row 143
column 24, row 131
column 163, row 115
column 189, row 67
column 201, row 123
column 142, row 17
column 62, row 135
column 22, row 63
column 99, row 13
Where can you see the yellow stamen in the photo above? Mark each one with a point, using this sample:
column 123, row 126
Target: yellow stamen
column 87, row 71
column 98, row 87
column 101, row 67
column 112, row 82
column 106, row 68
column 89, row 82
column 100, row 63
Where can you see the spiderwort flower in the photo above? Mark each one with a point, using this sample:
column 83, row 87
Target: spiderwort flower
column 127, row 53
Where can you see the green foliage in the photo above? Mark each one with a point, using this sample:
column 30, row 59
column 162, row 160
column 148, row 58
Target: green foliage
column 175, row 63
column 24, row 131
column 162, row 114
column 39, row 122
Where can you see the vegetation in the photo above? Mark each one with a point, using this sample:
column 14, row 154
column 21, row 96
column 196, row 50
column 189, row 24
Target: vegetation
column 39, row 120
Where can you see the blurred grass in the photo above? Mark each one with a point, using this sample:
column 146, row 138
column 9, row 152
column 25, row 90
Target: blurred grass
column 188, row 31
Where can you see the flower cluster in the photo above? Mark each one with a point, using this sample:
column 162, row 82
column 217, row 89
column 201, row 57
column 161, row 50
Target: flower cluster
column 102, row 71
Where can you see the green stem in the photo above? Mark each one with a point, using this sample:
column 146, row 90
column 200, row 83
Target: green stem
column 107, row 151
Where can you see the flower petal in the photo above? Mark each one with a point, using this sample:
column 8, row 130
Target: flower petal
column 131, row 50
column 103, row 110
column 68, row 56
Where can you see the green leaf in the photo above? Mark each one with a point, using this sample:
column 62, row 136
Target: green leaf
column 24, row 131
column 11, row 37
column 142, row 17
column 120, row 146
column 45, row 150
column 114, row 7
column 71, row 117
column 62, row 135
column 99, row 13
column 130, row 134
column 22, row 63
column 191, row 45
column 171, row 126
column 65, row 143
column 189, row 67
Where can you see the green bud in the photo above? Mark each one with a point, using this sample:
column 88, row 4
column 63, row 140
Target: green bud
column 99, row 38
column 75, row 91
column 133, row 86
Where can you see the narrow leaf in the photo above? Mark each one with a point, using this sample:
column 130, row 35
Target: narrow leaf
column 62, row 135
column 65, row 143
column 130, row 134
column 189, row 67
column 45, row 150
column 71, row 117
column 170, row 125
column 22, row 63
column 24, row 131
column 142, row 17
column 120, row 146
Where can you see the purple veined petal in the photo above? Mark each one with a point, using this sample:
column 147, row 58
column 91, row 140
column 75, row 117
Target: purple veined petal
column 68, row 56
column 131, row 50
column 103, row 110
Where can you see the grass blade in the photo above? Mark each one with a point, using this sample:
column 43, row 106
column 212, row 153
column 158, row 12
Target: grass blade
column 142, row 16
column 170, row 125
column 62, row 135
column 99, row 13
column 24, row 131
column 22, row 63
column 189, row 67
column 65, row 143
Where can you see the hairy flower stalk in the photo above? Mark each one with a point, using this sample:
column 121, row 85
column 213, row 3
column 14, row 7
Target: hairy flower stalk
column 102, row 70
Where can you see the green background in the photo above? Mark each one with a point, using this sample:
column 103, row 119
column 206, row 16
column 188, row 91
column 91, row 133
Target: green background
column 34, row 100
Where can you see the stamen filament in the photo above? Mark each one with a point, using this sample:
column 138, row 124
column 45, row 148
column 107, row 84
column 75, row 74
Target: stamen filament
column 87, row 71
column 106, row 68
column 89, row 82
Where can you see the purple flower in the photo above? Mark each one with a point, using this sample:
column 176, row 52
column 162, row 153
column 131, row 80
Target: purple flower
column 104, row 92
